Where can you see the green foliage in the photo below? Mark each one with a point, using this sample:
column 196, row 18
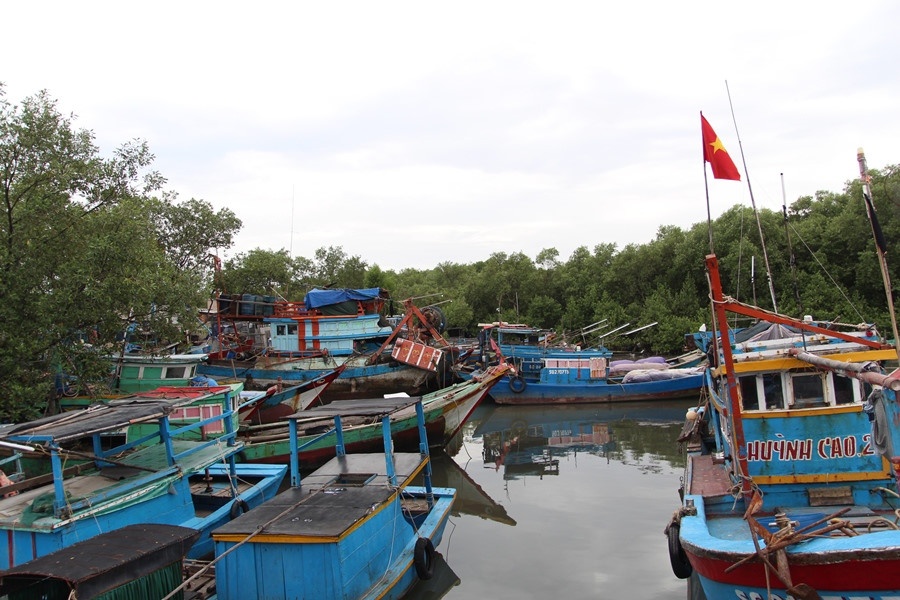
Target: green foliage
column 86, row 250
column 819, row 250
column 91, row 244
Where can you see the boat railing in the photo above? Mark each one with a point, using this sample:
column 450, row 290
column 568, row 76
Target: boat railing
column 382, row 408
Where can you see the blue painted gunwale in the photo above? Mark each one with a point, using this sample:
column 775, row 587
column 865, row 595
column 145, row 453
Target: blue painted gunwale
column 345, row 531
column 374, row 379
column 808, row 455
column 155, row 479
column 575, row 386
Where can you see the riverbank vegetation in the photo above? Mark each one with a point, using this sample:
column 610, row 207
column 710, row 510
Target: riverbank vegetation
column 90, row 245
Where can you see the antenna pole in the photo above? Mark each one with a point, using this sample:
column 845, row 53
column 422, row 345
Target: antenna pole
column 762, row 239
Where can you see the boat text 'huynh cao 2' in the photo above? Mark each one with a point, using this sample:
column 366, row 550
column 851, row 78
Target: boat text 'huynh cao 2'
column 790, row 488
column 162, row 477
column 266, row 340
column 356, row 528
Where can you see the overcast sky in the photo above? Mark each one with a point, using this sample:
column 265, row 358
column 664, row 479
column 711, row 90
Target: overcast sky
column 418, row 133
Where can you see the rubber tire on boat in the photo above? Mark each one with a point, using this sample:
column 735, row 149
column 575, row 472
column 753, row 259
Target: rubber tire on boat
column 239, row 507
column 423, row 558
column 681, row 566
column 517, row 384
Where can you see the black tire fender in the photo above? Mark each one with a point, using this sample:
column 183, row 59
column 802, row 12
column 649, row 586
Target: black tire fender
column 238, row 507
column 517, row 384
column 681, row 566
column 423, row 558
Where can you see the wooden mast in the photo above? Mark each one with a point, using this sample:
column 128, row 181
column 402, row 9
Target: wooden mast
column 880, row 244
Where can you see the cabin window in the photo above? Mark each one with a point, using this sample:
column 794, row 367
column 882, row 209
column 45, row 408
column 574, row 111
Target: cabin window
column 773, row 390
column 844, row 389
column 179, row 372
column 760, row 392
column 286, row 329
column 808, row 389
column 749, row 393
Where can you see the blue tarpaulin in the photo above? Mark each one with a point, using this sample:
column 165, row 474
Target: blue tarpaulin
column 317, row 298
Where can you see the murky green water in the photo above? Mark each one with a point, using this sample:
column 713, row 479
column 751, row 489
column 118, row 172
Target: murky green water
column 565, row 502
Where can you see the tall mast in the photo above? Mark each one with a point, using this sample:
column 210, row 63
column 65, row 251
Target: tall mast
column 762, row 239
column 880, row 244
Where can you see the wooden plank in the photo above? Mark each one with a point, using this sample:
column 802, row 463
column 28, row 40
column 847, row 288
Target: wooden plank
column 708, row 479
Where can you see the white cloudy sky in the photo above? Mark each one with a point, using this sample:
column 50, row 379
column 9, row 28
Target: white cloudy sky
column 416, row 133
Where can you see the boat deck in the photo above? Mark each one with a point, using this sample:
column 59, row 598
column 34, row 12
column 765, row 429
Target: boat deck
column 707, row 478
column 328, row 502
column 138, row 464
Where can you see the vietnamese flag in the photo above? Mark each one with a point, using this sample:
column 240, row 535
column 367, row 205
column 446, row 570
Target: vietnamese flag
column 715, row 154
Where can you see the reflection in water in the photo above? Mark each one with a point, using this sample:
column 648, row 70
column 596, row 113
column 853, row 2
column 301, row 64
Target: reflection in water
column 442, row 581
column 471, row 499
column 530, row 440
column 569, row 501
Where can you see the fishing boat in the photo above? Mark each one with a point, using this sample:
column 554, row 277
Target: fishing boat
column 790, row 488
column 279, row 400
column 265, row 340
column 136, row 561
column 133, row 372
column 248, row 407
column 99, row 481
column 590, row 380
column 546, row 371
column 355, row 528
column 446, row 411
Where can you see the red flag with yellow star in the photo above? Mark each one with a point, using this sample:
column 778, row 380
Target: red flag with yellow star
column 715, row 154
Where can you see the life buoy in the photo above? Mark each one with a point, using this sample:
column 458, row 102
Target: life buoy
column 681, row 566
column 517, row 384
column 239, row 507
column 423, row 558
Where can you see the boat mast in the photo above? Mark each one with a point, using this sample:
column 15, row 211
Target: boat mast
column 762, row 239
column 880, row 244
column 738, row 443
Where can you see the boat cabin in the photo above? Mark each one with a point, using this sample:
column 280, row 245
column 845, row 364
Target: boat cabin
column 800, row 388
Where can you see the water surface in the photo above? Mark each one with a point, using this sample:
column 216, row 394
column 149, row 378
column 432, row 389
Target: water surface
column 564, row 502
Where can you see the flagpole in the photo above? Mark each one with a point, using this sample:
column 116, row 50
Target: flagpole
column 880, row 244
column 706, row 187
column 762, row 239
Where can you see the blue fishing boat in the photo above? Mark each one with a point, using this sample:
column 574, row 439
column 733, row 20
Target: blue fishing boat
column 548, row 371
column 579, row 380
column 355, row 528
column 790, row 488
column 275, row 340
column 99, row 480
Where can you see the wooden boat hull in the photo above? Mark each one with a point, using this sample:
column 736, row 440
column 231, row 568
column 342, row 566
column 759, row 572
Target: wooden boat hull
column 523, row 391
column 238, row 576
column 163, row 477
column 790, row 485
column 863, row 566
column 356, row 528
column 170, row 501
column 445, row 414
column 357, row 380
